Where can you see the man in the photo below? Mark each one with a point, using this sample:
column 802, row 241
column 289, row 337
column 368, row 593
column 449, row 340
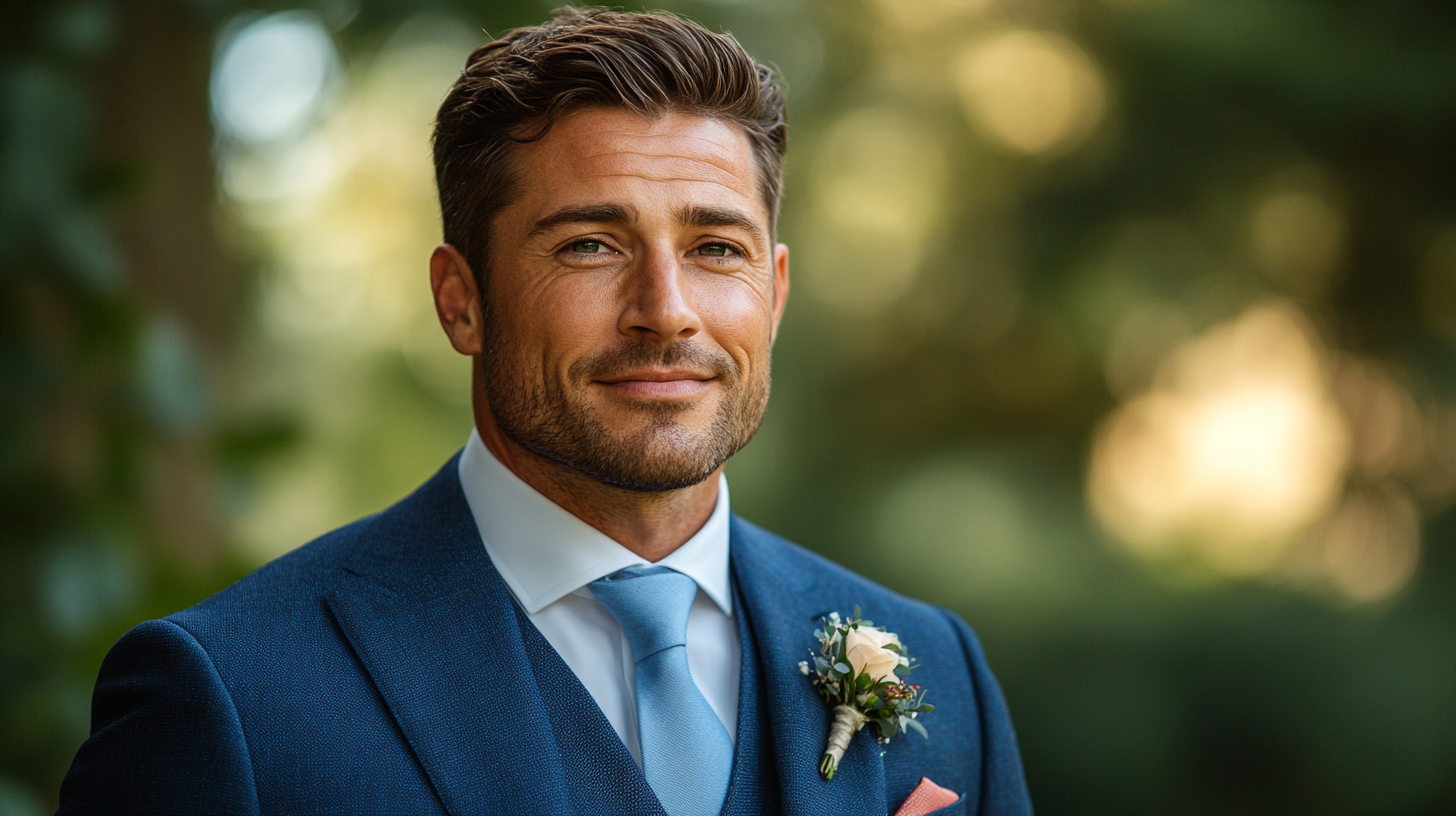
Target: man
column 566, row 618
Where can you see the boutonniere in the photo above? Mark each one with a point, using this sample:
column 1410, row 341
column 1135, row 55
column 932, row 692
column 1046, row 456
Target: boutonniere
column 854, row 671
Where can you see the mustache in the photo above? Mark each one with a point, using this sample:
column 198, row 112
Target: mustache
column 637, row 355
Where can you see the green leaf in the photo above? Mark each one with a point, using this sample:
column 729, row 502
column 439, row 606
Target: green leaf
column 912, row 725
column 924, row 708
column 843, row 669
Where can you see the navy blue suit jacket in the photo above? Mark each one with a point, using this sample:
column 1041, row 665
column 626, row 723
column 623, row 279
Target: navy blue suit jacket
column 385, row 668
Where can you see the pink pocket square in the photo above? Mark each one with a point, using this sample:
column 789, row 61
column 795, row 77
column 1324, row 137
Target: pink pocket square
column 927, row 797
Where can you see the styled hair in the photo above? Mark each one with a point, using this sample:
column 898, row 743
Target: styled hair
column 515, row 89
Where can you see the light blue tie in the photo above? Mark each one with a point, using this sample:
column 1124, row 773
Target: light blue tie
column 687, row 755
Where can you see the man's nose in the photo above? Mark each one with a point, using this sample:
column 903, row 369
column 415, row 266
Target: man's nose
column 658, row 298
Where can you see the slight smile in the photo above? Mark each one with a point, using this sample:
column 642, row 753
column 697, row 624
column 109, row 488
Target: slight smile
column 672, row 384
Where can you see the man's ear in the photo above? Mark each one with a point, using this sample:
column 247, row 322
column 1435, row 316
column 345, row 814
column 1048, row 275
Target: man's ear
column 457, row 302
column 781, row 286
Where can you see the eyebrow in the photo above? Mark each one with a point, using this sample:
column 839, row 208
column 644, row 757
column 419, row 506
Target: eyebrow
column 719, row 217
column 693, row 216
column 586, row 214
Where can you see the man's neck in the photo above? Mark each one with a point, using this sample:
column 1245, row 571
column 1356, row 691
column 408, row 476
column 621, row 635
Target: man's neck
column 652, row 525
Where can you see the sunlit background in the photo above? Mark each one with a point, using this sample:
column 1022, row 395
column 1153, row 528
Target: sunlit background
column 1125, row 328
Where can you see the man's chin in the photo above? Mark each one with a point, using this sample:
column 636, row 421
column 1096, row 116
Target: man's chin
column 654, row 459
column 648, row 475
column 642, row 422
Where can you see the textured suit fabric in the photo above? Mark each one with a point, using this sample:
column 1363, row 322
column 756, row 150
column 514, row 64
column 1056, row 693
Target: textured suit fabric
column 384, row 668
column 589, row 748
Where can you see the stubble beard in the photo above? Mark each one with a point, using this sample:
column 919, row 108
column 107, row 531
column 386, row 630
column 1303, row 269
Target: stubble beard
column 560, row 424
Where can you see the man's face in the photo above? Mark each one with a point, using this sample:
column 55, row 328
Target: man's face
column 632, row 299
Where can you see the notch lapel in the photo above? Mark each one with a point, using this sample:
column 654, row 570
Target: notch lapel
column 435, row 627
column 782, row 608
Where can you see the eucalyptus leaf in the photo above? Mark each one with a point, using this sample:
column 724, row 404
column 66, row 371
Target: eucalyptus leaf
column 915, row 726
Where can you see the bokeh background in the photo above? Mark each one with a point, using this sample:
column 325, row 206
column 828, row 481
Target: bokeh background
column 1125, row 328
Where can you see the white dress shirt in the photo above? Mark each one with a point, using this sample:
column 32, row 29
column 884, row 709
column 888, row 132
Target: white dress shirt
column 547, row 557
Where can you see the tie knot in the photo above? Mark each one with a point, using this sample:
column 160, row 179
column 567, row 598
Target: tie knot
column 651, row 604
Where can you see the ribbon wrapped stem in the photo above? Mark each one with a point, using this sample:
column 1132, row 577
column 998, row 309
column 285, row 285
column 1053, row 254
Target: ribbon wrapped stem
column 846, row 721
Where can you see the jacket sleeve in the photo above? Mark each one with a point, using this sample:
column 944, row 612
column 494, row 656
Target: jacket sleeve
column 165, row 736
column 1003, row 786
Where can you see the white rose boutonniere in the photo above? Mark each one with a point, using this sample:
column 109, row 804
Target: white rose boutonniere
column 874, row 652
column 855, row 671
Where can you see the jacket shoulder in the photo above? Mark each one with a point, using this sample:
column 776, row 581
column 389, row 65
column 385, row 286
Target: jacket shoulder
column 165, row 737
column 297, row 577
column 402, row 534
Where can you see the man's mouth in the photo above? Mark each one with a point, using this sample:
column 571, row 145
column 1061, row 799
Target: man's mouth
column 658, row 383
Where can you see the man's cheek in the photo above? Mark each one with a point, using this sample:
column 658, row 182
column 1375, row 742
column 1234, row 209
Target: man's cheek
column 746, row 334
column 578, row 314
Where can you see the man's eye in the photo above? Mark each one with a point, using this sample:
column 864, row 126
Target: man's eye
column 715, row 250
column 588, row 247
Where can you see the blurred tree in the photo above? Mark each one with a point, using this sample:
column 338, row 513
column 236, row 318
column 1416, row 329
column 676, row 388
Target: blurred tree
column 119, row 316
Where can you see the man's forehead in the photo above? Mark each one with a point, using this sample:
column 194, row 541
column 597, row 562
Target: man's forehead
column 591, row 153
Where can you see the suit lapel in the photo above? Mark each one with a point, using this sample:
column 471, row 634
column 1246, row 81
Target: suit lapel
column 435, row 627
column 782, row 608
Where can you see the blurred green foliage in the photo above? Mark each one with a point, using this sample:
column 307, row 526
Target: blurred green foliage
column 100, row 391
column 909, row 435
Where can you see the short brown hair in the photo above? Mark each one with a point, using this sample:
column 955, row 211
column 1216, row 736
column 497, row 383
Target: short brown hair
column 514, row 89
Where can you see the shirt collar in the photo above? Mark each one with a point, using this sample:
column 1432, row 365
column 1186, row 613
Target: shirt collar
column 544, row 552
